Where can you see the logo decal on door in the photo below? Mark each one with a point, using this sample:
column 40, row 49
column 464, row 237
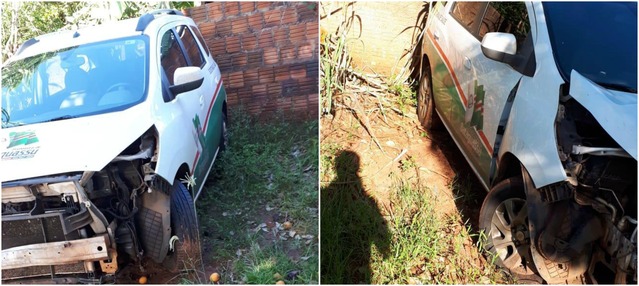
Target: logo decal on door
column 475, row 110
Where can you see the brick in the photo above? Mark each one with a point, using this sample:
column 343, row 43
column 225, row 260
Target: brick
column 233, row 44
column 259, row 91
column 239, row 60
column 255, row 22
column 300, row 102
column 198, row 14
column 254, row 58
column 265, row 74
column 281, row 73
column 272, row 18
column 271, row 56
column 239, row 25
column 313, row 97
column 307, row 12
column 265, row 39
column 245, row 94
column 231, row 9
column 312, row 31
column 298, row 71
column 289, row 16
column 249, row 42
column 280, row 4
column 223, row 28
column 312, row 69
column 308, row 85
column 284, row 103
column 297, row 32
column 231, row 96
column 305, row 51
column 251, row 77
column 217, row 46
column 288, row 53
column 281, row 36
column 224, row 62
column 216, row 11
column 263, row 5
column 207, row 28
column 236, row 79
column 274, row 90
column 247, row 7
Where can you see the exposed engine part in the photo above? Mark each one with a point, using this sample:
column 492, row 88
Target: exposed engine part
column 596, row 207
column 146, row 151
column 599, row 151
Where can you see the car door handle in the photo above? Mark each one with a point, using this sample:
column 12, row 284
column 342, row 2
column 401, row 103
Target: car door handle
column 467, row 64
column 436, row 35
column 201, row 100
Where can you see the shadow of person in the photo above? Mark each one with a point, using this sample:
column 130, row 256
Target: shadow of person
column 352, row 226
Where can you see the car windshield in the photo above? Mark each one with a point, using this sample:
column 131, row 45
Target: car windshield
column 73, row 82
column 597, row 39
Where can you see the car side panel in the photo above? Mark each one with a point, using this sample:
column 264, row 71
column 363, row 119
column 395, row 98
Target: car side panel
column 450, row 98
column 208, row 133
column 530, row 131
column 173, row 119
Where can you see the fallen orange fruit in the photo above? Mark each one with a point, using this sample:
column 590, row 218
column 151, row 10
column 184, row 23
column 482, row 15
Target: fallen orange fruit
column 215, row 277
column 280, row 282
column 287, row 225
column 142, row 280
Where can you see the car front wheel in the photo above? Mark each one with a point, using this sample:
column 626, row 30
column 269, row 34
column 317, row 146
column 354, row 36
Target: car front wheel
column 504, row 220
column 186, row 253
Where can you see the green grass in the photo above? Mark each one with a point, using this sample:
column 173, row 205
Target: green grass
column 406, row 96
column 267, row 174
column 406, row 242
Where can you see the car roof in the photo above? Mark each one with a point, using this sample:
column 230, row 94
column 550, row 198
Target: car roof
column 91, row 34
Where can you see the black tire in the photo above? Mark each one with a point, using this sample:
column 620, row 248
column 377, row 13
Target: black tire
column 425, row 104
column 186, row 253
column 504, row 220
column 224, row 137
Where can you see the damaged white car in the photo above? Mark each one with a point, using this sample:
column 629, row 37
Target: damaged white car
column 108, row 134
column 541, row 99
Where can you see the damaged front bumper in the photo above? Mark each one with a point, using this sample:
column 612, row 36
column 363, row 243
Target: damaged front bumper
column 56, row 253
column 49, row 222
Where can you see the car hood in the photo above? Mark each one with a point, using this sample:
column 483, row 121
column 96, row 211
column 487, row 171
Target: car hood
column 615, row 111
column 79, row 144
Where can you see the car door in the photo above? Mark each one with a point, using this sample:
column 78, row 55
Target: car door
column 483, row 84
column 178, row 48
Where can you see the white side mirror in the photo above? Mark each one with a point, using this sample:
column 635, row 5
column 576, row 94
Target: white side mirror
column 500, row 42
column 184, row 75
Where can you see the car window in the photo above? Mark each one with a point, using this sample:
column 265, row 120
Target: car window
column 506, row 17
column 467, row 14
column 201, row 39
column 171, row 55
column 191, row 46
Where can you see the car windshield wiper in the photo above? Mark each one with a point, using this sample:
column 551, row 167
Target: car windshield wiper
column 63, row 117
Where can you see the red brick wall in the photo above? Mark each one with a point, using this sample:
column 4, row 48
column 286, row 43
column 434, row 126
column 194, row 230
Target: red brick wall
column 267, row 53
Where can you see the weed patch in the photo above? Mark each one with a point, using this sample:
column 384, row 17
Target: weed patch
column 266, row 177
column 406, row 241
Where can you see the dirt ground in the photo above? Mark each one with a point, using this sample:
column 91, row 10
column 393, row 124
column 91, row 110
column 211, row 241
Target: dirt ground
column 390, row 144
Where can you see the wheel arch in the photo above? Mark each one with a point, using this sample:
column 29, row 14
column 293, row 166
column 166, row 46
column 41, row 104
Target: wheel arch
column 508, row 166
column 182, row 173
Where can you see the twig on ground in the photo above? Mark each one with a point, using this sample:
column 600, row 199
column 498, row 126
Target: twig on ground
column 438, row 173
column 394, row 160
